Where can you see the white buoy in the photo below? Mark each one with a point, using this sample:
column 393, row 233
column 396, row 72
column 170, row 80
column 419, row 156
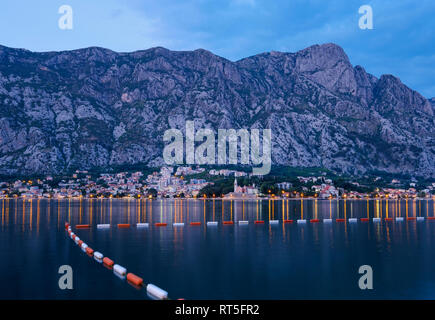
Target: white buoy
column 103, row 226
column 327, row 220
column 119, row 270
column 142, row 225
column 376, row 219
column 178, row 224
column 76, row 240
column 273, row 221
column 243, row 222
column 399, row 218
column 119, row 276
column 353, row 220
column 301, row 221
column 71, row 235
column 84, row 246
column 420, row 218
column 98, row 256
column 157, row 292
column 212, row 223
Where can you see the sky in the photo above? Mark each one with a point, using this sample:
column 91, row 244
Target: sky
column 402, row 41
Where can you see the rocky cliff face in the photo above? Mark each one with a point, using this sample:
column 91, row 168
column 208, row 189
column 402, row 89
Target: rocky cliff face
column 94, row 107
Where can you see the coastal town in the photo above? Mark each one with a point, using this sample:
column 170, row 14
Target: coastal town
column 190, row 182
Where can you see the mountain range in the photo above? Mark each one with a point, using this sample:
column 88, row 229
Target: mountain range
column 96, row 108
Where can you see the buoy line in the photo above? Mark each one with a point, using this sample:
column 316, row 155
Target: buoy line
column 257, row 222
column 160, row 294
column 136, row 281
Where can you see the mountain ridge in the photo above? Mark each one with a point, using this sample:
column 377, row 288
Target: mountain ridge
column 94, row 107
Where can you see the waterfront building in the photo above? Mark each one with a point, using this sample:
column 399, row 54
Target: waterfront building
column 242, row 192
column 284, row 185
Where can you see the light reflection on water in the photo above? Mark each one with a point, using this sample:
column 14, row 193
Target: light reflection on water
column 284, row 261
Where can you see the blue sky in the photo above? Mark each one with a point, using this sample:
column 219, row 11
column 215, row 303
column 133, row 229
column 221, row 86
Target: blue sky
column 402, row 41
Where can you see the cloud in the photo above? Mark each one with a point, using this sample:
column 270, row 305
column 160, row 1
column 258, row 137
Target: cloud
column 234, row 29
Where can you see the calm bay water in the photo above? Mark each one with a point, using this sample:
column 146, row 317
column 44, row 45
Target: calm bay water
column 254, row 261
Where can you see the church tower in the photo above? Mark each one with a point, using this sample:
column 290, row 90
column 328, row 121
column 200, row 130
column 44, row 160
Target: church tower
column 235, row 185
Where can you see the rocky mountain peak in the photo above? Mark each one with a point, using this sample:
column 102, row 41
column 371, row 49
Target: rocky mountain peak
column 96, row 108
column 321, row 57
column 394, row 96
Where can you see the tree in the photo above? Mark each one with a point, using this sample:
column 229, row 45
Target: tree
column 421, row 194
column 268, row 188
column 152, row 192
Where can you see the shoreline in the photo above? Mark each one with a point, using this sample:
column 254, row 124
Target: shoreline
column 217, row 198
